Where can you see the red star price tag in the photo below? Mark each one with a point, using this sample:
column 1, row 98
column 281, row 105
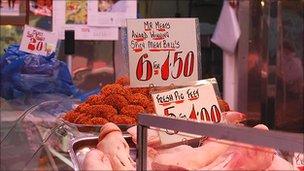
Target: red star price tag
column 37, row 41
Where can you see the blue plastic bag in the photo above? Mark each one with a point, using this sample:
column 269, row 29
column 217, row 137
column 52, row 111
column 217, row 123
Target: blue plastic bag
column 24, row 74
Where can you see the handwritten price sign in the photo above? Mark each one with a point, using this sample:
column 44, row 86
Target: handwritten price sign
column 197, row 103
column 38, row 42
column 162, row 51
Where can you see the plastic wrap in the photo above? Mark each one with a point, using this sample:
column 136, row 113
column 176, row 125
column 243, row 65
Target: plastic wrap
column 23, row 73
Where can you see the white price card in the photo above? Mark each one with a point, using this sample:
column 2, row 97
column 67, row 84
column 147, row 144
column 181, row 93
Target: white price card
column 162, row 51
column 298, row 161
column 198, row 103
column 37, row 41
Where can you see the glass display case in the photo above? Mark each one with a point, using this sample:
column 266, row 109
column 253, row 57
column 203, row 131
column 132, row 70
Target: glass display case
column 34, row 140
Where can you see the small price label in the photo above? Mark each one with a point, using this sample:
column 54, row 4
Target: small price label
column 298, row 161
column 37, row 41
column 162, row 51
column 198, row 103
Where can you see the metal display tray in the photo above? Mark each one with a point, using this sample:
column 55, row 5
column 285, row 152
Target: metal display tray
column 79, row 148
column 92, row 128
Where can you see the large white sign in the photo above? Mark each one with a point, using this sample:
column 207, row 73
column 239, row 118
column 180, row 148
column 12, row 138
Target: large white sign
column 198, row 103
column 162, row 51
column 37, row 41
column 111, row 13
column 73, row 15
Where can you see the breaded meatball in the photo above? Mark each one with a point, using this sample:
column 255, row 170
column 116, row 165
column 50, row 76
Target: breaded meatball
column 122, row 119
column 82, row 118
column 104, row 111
column 123, row 80
column 88, row 122
column 71, row 116
column 144, row 90
column 82, row 108
column 114, row 89
column 150, row 108
column 139, row 99
column 116, row 100
column 95, row 100
column 132, row 110
column 99, row 121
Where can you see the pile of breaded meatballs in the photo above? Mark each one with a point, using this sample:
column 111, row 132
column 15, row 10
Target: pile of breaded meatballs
column 117, row 103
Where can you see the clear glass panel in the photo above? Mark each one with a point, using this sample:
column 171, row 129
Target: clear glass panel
column 34, row 139
column 254, row 60
column 92, row 63
column 275, row 64
column 290, row 82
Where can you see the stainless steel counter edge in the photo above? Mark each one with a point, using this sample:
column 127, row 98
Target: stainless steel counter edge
column 292, row 142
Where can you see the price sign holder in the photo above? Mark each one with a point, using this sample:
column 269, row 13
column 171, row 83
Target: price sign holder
column 69, row 46
column 154, row 89
column 163, row 51
column 37, row 41
column 197, row 102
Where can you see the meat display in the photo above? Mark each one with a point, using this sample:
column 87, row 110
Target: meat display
column 232, row 117
column 201, row 156
column 278, row 163
column 113, row 144
column 243, row 157
column 117, row 103
column 96, row 160
column 113, row 153
column 152, row 136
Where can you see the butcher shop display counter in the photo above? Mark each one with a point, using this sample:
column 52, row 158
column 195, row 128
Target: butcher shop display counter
column 41, row 139
column 161, row 143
